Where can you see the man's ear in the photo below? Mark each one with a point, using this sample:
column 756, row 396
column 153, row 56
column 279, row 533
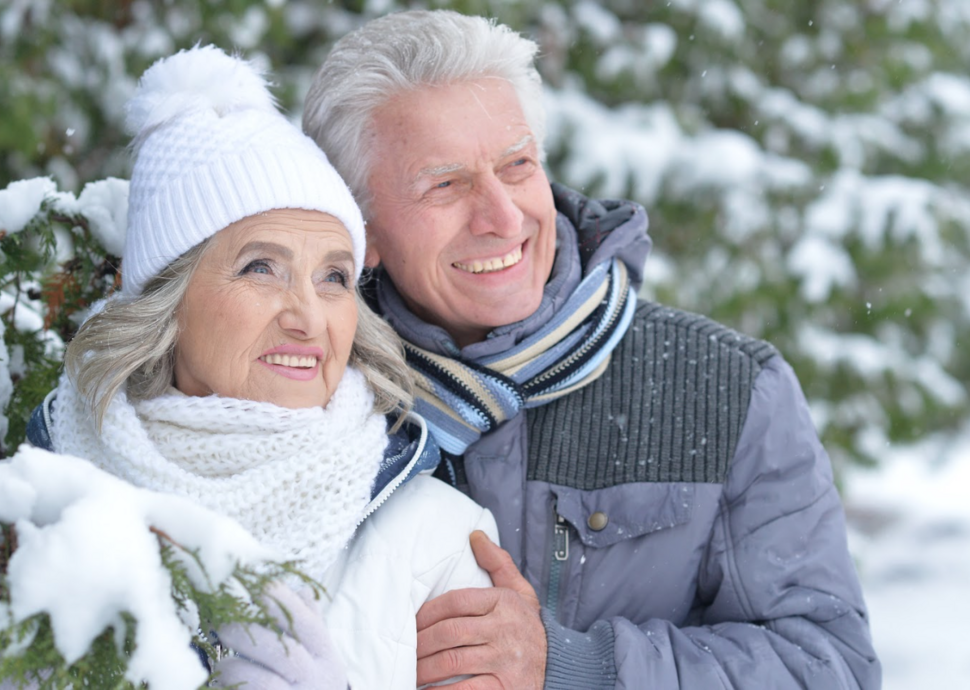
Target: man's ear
column 371, row 256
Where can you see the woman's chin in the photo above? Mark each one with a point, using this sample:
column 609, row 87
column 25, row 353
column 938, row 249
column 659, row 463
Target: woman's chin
column 290, row 399
column 295, row 402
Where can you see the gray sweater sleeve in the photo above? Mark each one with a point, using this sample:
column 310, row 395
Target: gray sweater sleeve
column 779, row 602
column 579, row 661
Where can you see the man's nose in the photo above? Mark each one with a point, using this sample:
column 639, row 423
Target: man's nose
column 496, row 211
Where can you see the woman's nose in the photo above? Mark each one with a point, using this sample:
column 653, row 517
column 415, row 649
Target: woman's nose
column 303, row 314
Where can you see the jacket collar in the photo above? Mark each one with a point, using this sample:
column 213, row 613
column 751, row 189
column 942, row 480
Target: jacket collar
column 410, row 451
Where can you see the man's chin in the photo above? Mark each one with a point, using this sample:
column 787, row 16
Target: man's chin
column 500, row 315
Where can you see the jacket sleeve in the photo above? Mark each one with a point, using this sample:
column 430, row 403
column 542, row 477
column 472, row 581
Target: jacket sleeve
column 461, row 569
column 38, row 431
column 779, row 603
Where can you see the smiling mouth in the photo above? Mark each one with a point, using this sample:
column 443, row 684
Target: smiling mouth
column 492, row 265
column 294, row 361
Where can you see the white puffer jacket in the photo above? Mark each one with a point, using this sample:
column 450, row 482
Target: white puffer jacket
column 412, row 549
column 412, row 546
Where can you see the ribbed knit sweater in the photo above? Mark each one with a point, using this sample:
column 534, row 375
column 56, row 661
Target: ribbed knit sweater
column 668, row 409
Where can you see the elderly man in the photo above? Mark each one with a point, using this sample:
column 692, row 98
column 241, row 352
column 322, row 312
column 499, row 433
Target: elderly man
column 667, row 513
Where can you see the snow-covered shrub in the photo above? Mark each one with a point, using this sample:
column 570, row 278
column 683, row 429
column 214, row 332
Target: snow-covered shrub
column 53, row 266
column 805, row 165
column 805, row 168
column 106, row 585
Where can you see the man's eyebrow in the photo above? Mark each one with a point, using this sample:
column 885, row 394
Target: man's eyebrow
column 519, row 145
column 439, row 170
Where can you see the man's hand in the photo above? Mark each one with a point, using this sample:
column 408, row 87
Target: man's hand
column 494, row 635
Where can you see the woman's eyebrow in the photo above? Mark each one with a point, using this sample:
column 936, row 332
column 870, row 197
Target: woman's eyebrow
column 338, row 255
column 257, row 247
column 286, row 254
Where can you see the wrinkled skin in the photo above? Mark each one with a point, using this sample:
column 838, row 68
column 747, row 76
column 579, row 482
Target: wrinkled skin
column 278, row 283
column 496, row 634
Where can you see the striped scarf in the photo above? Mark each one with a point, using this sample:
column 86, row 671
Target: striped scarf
column 461, row 400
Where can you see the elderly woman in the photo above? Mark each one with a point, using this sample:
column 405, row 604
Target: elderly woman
column 239, row 368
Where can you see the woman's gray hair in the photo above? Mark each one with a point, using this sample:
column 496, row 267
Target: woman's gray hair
column 403, row 52
column 131, row 343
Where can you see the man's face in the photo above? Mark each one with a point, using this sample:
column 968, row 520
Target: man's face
column 462, row 216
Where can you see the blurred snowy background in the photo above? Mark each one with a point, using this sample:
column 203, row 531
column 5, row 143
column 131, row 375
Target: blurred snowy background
column 805, row 165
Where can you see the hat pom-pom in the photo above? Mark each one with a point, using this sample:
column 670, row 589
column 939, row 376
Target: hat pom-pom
column 200, row 78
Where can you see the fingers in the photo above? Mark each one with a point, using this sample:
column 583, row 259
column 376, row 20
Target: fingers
column 452, row 662
column 489, row 665
column 298, row 616
column 451, row 632
column 508, row 641
column 248, row 676
column 457, row 603
column 295, row 652
column 501, row 568
column 478, row 683
column 260, row 647
column 492, row 557
column 486, row 633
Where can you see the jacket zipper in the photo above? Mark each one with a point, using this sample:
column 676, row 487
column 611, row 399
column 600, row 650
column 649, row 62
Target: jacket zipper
column 560, row 553
column 392, row 486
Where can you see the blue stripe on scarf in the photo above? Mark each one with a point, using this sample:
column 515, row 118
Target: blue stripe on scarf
column 612, row 315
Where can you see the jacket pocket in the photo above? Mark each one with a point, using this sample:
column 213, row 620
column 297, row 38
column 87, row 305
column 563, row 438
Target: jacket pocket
column 604, row 517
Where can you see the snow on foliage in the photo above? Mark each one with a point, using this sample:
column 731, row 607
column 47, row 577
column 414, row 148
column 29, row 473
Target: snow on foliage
column 21, row 201
column 818, row 169
column 104, row 203
column 6, row 384
column 84, row 536
column 805, row 166
column 795, row 172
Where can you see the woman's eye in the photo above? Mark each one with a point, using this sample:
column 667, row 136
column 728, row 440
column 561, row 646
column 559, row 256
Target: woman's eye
column 259, row 266
column 338, row 277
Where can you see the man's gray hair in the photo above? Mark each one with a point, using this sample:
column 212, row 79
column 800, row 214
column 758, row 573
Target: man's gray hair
column 130, row 344
column 404, row 52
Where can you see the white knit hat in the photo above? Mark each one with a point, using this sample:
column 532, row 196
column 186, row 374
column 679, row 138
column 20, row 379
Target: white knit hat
column 211, row 148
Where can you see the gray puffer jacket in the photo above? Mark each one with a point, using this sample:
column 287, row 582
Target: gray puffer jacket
column 677, row 516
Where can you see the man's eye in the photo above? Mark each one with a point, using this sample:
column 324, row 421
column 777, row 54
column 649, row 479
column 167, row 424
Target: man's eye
column 443, row 185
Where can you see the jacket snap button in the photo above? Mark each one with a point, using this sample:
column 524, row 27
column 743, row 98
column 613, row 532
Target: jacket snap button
column 597, row 521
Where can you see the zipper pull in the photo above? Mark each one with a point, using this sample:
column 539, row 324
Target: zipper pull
column 560, row 552
column 560, row 549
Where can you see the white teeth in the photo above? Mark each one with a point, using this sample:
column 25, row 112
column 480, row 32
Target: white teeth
column 492, row 265
column 296, row 361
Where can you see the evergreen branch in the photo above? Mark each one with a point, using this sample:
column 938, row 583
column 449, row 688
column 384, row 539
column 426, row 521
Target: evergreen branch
column 28, row 653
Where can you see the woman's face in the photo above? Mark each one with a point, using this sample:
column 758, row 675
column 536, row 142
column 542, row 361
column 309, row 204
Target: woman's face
column 270, row 313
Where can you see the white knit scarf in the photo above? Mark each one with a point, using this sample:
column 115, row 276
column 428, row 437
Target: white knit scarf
column 299, row 480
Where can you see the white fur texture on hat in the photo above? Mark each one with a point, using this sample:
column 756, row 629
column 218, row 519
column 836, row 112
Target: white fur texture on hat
column 211, row 148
